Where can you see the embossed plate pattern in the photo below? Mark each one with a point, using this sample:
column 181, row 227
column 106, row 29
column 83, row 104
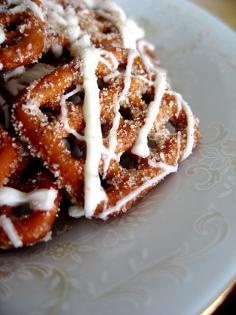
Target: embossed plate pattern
column 175, row 252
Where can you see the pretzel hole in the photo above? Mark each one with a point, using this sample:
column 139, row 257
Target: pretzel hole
column 12, row 36
column 147, row 98
column 128, row 161
column 28, row 173
column 170, row 127
column 54, row 60
column 50, row 111
column 11, row 6
column 100, row 19
column 2, row 115
column 76, row 98
column 101, row 84
column 105, row 130
column 121, row 67
column 76, row 148
column 11, row 27
column 103, row 25
column 152, row 144
column 126, row 113
column 46, row 58
column 22, row 210
column 106, row 185
column 106, row 30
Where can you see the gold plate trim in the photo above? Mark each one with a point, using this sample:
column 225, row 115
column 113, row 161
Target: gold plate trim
column 220, row 299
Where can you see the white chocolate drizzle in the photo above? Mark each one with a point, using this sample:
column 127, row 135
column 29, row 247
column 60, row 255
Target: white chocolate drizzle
column 79, row 45
column 64, row 114
column 116, row 122
column 2, row 34
column 93, row 192
column 129, row 30
column 165, row 170
column 9, row 229
column 23, row 5
column 190, row 131
column 148, row 61
column 141, row 145
column 40, row 199
column 57, row 50
column 75, row 211
column 114, row 63
column 66, row 21
column 111, row 76
column 181, row 104
column 178, row 146
column 179, row 101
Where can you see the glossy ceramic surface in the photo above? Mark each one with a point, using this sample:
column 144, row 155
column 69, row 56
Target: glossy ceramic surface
column 175, row 251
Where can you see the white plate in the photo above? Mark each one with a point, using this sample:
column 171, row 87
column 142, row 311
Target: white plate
column 175, row 252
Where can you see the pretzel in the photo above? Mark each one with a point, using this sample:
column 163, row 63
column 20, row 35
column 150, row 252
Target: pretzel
column 9, row 156
column 22, row 33
column 103, row 24
column 131, row 107
column 22, row 225
column 28, row 205
column 70, row 171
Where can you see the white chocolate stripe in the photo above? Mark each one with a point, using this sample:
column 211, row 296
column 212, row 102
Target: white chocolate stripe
column 111, row 76
column 179, row 100
column 113, row 132
column 22, row 6
column 64, row 114
column 2, row 34
column 110, row 55
column 141, row 44
column 40, row 200
column 75, row 211
column 9, row 229
column 179, row 147
column 141, row 146
column 129, row 30
column 93, row 192
column 106, row 63
column 190, row 131
column 190, row 123
column 166, row 170
column 66, row 22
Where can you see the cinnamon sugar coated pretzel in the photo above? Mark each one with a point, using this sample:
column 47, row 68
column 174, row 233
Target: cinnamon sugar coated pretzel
column 29, row 200
column 21, row 32
column 91, row 105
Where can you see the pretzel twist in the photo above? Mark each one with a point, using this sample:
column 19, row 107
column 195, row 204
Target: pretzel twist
column 10, row 156
column 123, row 184
column 34, row 225
column 23, row 33
column 16, row 177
